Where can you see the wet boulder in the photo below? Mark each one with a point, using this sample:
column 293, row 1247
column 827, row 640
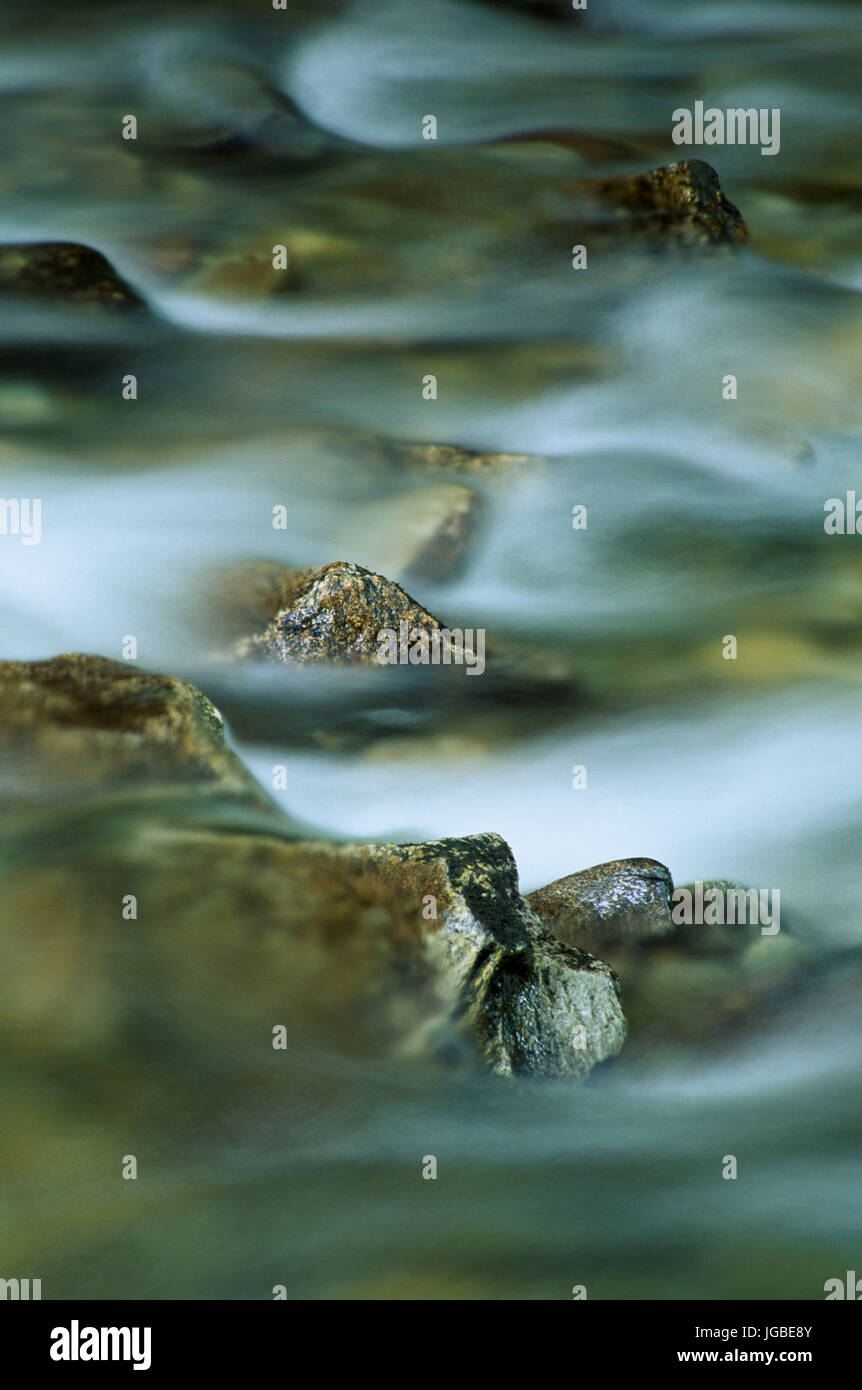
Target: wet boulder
column 64, row 274
column 343, row 613
column 81, row 725
column 178, row 903
column 614, row 905
column 417, row 950
column 677, row 204
column 375, row 663
column 682, row 983
column 533, row 1005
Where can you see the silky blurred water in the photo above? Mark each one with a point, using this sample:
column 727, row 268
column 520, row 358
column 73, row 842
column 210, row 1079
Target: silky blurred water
column 705, row 518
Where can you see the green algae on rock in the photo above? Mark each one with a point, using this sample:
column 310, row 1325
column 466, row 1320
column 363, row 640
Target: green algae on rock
column 63, row 273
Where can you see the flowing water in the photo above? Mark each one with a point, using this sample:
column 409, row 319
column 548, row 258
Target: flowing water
column 706, row 518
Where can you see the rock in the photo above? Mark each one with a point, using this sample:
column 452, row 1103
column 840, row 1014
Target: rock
column 316, row 259
column 677, row 204
column 419, row 536
column 451, row 458
column 522, row 994
column 680, row 984
column 333, row 623
column 77, row 725
column 332, row 250
column 714, row 982
column 335, row 614
column 238, row 924
column 63, row 273
column 482, row 969
column 244, row 932
column 618, row 904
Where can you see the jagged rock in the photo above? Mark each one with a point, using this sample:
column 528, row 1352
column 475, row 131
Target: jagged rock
column 63, row 273
column 342, row 618
column 80, row 724
column 524, row 996
column 334, row 613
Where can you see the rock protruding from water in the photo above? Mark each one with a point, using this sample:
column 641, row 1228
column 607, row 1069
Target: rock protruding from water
column 80, row 725
column 682, row 982
column 424, row 949
column 533, row 1005
column 611, row 905
column 62, row 274
column 335, row 613
column 677, row 204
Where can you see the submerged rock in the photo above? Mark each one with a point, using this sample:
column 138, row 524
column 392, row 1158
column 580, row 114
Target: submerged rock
column 314, row 258
column 63, row 273
column 418, row 536
column 326, row 246
column 213, row 105
column 77, row 725
column 452, row 459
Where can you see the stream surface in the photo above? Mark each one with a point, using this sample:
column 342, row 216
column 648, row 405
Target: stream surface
column 706, row 518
